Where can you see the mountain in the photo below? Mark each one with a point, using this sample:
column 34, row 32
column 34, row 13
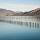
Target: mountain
column 35, row 12
column 4, row 12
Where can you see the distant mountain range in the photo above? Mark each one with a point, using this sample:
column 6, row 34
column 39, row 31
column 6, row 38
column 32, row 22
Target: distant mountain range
column 4, row 12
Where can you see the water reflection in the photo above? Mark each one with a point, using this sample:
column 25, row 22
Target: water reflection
column 38, row 25
column 33, row 25
column 28, row 24
column 15, row 31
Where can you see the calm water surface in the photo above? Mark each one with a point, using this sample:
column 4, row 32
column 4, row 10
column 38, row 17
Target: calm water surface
column 10, row 31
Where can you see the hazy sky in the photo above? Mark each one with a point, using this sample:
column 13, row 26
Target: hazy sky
column 20, row 5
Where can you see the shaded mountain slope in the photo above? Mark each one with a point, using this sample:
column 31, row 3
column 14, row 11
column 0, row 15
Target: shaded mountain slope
column 4, row 12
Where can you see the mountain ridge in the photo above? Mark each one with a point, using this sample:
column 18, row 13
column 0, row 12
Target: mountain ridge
column 4, row 12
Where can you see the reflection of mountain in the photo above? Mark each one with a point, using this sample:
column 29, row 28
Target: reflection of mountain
column 4, row 12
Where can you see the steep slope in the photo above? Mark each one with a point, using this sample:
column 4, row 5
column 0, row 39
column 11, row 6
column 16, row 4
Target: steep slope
column 35, row 12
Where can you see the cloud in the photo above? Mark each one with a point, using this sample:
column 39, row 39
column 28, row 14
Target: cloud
column 19, row 7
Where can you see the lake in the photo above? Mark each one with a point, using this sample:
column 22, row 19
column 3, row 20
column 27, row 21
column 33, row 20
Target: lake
column 11, row 31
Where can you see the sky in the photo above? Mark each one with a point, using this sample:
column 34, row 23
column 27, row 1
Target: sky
column 20, row 5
